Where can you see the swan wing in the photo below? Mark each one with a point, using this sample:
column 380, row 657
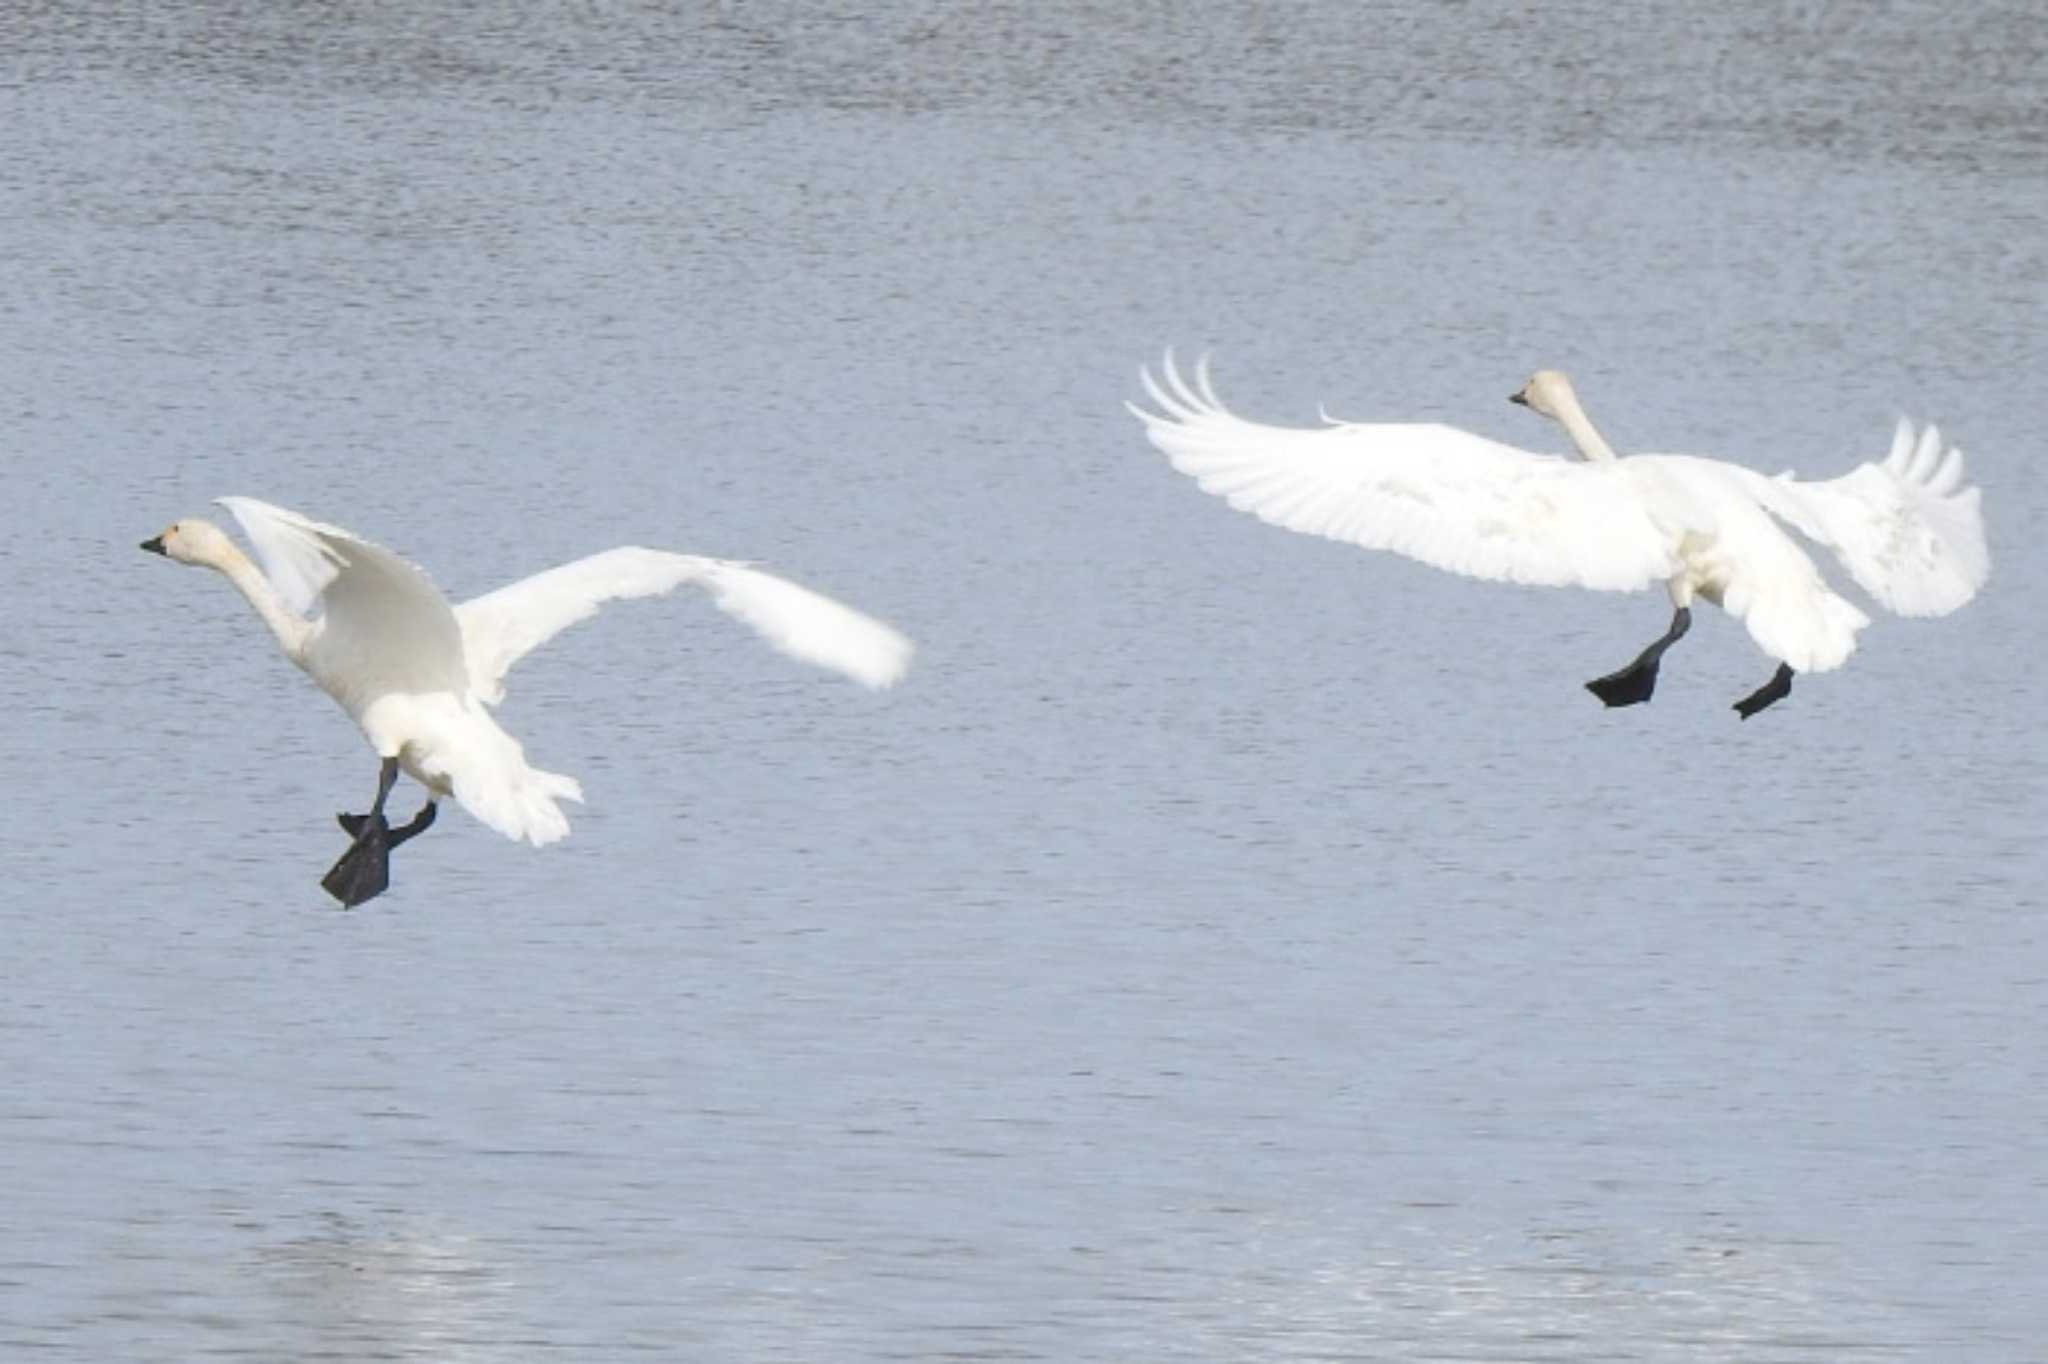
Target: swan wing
column 502, row 627
column 1451, row 499
column 384, row 625
column 1906, row 528
column 299, row 555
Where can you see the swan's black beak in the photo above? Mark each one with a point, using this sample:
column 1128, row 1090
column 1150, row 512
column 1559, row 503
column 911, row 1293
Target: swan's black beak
column 155, row 544
column 1519, row 399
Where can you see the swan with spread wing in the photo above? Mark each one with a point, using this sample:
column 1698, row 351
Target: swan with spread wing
column 1906, row 529
column 419, row 675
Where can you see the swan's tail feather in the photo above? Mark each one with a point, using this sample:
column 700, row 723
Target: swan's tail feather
column 486, row 769
column 523, row 806
column 1810, row 628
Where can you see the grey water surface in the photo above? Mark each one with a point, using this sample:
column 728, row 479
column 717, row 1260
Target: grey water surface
column 1225, row 945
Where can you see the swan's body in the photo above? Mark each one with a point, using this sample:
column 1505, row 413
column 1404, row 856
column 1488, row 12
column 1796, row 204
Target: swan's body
column 419, row 675
column 1906, row 529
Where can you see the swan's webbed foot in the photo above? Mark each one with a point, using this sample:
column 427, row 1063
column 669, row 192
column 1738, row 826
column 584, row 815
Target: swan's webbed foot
column 1633, row 685
column 1777, row 689
column 1629, row 687
column 364, row 871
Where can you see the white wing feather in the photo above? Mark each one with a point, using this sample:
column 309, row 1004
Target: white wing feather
column 502, row 627
column 1451, row 499
column 384, row 627
column 1907, row 529
column 299, row 555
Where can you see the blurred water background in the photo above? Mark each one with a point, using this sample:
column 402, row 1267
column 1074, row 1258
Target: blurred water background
column 1226, row 945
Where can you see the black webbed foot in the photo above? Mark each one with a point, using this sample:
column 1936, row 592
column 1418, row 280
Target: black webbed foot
column 1629, row 687
column 364, row 871
column 1632, row 685
column 1777, row 689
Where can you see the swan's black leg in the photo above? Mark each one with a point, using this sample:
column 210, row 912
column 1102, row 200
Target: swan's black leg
column 1633, row 684
column 364, row 871
column 387, row 777
column 1777, row 689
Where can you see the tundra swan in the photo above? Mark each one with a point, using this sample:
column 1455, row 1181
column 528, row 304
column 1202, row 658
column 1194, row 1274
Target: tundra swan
column 1906, row 529
column 419, row 675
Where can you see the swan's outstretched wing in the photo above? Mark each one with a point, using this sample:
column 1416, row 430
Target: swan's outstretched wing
column 502, row 627
column 1907, row 529
column 385, row 627
column 1454, row 500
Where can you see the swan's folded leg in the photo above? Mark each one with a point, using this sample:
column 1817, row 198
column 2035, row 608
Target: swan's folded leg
column 1777, row 689
column 364, row 871
column 416, row 826
column 1632, row 685
column 352, row 825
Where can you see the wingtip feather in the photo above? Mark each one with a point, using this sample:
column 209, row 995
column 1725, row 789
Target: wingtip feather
column 813, row 628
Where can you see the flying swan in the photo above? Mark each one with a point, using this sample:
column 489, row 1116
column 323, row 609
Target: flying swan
column 419, row 676
column 1906, row 529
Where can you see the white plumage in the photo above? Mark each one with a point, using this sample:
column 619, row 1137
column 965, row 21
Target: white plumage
column 1906, row 528
column 419, row 675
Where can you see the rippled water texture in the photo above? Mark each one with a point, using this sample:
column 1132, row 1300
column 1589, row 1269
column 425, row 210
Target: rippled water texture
column 1226, row 945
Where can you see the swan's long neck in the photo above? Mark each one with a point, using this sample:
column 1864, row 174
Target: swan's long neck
column 291, row 630
column 1592, row 447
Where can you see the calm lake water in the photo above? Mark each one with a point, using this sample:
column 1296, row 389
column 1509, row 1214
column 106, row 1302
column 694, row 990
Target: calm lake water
column 1226, row 945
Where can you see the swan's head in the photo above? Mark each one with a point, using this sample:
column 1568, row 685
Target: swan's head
column 1547, row 392
column 192, row 542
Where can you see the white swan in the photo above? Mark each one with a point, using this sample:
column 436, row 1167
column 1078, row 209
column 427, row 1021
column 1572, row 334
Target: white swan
column 1905, row 529
column 419, row 675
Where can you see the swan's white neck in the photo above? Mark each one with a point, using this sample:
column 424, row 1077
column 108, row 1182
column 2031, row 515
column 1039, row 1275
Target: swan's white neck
column 291, row 630
column 1592, row 447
